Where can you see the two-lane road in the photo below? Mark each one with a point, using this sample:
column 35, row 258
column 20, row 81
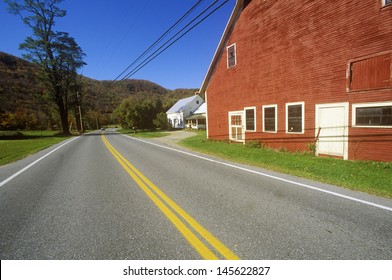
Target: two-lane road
column 113, row 197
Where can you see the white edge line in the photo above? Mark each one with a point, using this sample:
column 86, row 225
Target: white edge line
column 267, row 175
column 35, row 162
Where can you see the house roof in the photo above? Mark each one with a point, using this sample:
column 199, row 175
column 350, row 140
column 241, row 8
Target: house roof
column 181, row 104
column 196, row 117
column 201, row 110
column 225, row 37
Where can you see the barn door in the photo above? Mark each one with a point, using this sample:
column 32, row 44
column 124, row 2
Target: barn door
column 332, row 129
column 236, row 126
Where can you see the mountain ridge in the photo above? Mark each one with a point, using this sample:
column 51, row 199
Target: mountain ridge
column 20, row 89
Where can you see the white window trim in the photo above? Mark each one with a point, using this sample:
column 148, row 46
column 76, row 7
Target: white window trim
column 366, row 105
column 276, row 117
column 303, row 117
column 242, row 125
column 384, row 3
column 254, row 118
column 235, row 55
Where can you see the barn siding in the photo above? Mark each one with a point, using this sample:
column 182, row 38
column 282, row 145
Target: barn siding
column 300, row 51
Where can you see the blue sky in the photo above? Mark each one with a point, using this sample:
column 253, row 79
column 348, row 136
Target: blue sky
column 113, row 33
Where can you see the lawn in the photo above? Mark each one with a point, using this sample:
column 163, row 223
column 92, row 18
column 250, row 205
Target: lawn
column 370, row 177
column 144, row 134
column 17, row 145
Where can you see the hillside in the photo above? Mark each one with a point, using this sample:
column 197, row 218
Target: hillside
column 18, row 84
column 20, row 92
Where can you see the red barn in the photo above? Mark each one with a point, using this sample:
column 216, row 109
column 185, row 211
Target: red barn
column 306, row 74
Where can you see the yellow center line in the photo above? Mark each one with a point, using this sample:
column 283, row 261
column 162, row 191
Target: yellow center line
column 157, row 196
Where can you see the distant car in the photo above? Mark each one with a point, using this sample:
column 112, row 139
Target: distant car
column 102, row 128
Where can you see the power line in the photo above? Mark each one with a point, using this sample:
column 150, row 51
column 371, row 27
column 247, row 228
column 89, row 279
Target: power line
column 162, row 48
column 117, row 34
column 160, row 38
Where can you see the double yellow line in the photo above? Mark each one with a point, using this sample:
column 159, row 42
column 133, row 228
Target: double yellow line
column 205, row 244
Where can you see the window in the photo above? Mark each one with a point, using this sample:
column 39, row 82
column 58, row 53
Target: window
column 370, row 73
column 236, row 131
column 372, row 115
column 270, row 120
column 231, row 56
column 295, row 117
column 386, row 2
column 250, row 119
column 236, row 120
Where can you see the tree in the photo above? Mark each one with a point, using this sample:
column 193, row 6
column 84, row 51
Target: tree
column 139, row 111
column 161, row 121
column 57, row 54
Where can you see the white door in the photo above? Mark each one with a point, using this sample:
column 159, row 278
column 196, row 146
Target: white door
column 332, row 129
column 236, row 127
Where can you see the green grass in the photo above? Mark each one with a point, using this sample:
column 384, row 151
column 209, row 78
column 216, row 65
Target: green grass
column 17, row 145
column 144, row 134
column 25, row 134
column 370, row 177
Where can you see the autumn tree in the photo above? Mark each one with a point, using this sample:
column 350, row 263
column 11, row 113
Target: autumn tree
column 57, row 54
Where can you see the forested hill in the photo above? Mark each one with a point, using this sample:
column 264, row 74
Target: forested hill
column 18, row 84
column 20, row 92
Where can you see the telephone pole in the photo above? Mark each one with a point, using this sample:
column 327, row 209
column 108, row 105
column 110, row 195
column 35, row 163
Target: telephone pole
column 80, row 113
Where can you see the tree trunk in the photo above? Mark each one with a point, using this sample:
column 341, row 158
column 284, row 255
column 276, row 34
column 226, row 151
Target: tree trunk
column 64, row 121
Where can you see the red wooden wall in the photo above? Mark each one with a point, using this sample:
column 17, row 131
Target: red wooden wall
column 301, row 51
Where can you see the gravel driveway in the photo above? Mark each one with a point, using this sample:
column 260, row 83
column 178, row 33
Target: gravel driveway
column 175, row 136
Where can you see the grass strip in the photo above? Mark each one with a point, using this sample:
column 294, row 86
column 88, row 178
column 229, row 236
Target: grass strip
column 365, row 176
column 30, row 143
column 144, row 134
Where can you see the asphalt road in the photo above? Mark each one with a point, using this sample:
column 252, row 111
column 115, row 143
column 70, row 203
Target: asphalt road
column 114, row 197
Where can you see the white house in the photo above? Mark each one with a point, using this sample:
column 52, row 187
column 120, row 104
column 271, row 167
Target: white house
column 184, row 108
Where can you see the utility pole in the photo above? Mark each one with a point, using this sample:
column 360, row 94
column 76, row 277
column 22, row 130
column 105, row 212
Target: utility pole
column 80, row 113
